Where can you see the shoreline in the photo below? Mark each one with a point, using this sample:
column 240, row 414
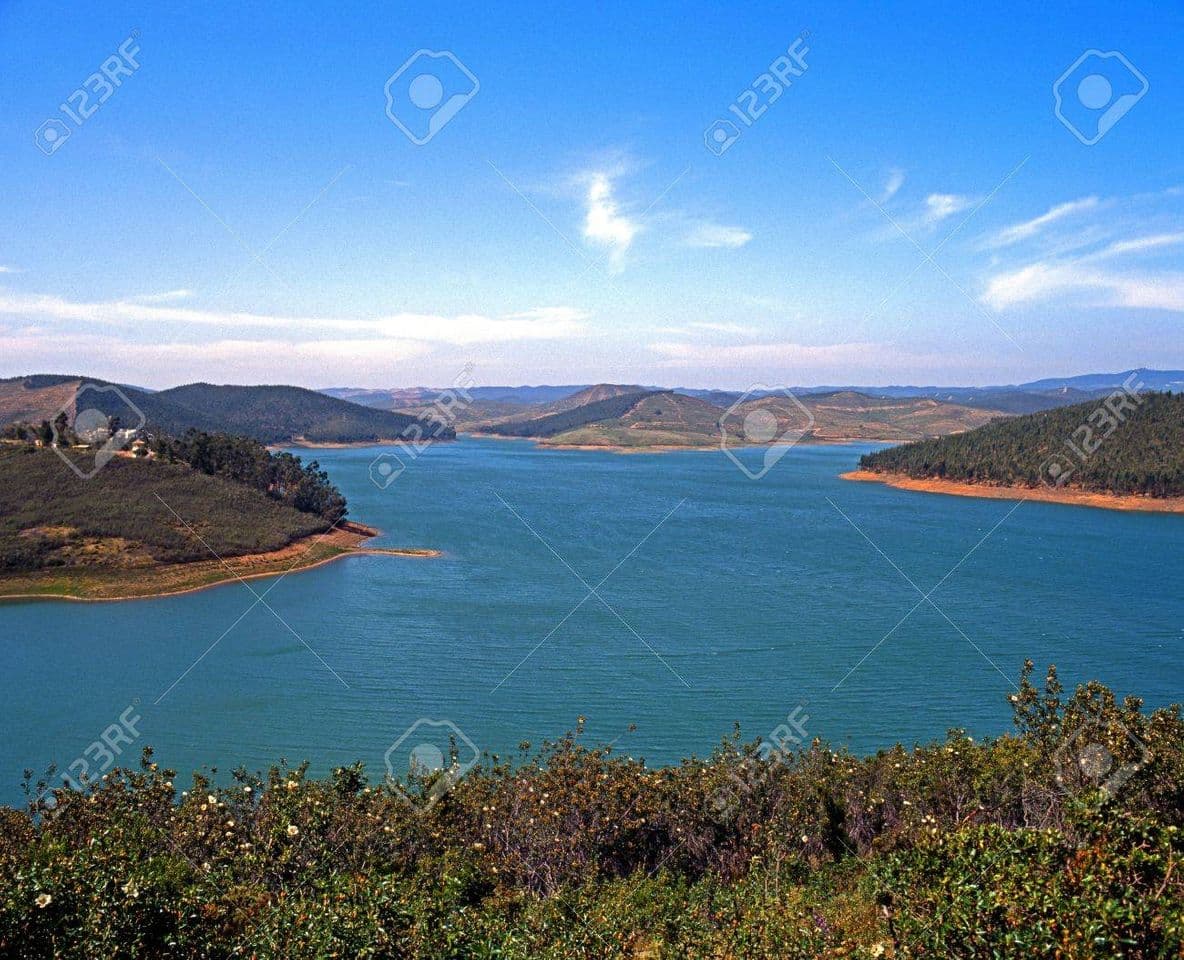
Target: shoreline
column 332, row 444
column 178, row 579
column 666, row 448
column 1067, row 496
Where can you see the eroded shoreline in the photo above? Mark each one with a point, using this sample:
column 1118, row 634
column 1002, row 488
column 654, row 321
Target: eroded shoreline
column 1063, row 495
column 82, row 585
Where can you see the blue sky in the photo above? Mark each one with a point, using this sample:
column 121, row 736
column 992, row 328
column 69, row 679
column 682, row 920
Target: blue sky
column 241, row 208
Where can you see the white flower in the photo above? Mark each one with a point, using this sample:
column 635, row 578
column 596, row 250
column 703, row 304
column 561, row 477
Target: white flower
column 211, row 799
column 43, row 901
column 293, row 830
column 131, row 889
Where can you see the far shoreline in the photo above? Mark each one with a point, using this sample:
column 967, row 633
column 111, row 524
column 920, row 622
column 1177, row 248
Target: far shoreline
column 1067, row 496
column 177, row 579
column 542, row 444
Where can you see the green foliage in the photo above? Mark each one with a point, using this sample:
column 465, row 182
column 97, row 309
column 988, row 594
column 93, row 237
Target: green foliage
column 1143, row 454
column 952, row 849
column 282, row 476
column 127, row 513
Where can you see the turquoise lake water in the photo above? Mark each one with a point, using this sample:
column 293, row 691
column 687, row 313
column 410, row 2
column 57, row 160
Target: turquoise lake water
column 753, row 598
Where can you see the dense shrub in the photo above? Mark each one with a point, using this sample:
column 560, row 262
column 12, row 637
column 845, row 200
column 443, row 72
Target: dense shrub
column 1023, row 846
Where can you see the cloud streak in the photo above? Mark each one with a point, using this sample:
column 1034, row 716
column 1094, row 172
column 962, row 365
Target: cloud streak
column 604, row 223
column 1030, row 228
column 544, row 323
column 713, row 236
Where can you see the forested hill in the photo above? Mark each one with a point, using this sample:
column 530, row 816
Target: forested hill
column 195, row 495
column 273, row 414
column 269, row 414
column 1124, row 444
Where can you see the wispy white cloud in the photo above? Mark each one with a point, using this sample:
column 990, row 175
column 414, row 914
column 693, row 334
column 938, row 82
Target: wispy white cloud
column 166, row 297
column 543, row 323
column 1030, row 228
column 1089, row 276
column 795, row 358
column 714, row 235
column 938, row 206
column 7, row 269
column 892, row 185
column 708, row 326
column 604, row 223
column 245, row 361
column 1137, row 245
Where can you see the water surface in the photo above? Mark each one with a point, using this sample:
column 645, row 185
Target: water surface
column 726, row 600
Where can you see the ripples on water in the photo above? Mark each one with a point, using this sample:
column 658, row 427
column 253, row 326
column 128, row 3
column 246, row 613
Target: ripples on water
column 751, row 598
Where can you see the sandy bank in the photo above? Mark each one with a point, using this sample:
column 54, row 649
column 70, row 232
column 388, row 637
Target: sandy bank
column 167, row 580
column 1065, row 495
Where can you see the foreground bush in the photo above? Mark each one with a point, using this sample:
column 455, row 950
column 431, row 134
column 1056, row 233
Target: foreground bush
column 1062, row 839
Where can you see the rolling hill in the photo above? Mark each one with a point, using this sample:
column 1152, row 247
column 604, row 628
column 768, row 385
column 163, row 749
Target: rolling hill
column 1126, row 446
column 619, row 416
column 270, row 414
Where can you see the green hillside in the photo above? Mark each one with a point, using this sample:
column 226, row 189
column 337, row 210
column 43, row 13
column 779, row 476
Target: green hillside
column 121, row 517
column 1126, row 446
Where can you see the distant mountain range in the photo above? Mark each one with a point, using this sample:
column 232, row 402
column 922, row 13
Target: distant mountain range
column 636, row 415
column 270, row 414
column 495, row 402
column 597, row 414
